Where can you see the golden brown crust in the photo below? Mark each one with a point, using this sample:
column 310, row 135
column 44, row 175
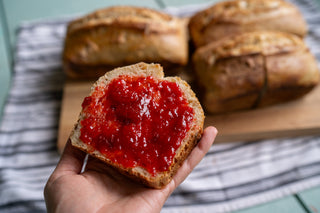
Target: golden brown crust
column 289, row 76
column 264, row 42
column 232, row 83
column 238, row 16
column 125, row 16
column 188, row 143
column 123, row 35
column 254, row 69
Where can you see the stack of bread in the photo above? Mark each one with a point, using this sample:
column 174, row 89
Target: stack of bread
column 251, row 53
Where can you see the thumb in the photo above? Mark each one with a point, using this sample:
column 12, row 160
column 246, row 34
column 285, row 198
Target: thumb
column 195, row 157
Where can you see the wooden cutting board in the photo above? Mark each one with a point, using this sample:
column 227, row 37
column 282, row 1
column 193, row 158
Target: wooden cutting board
column 296, row 118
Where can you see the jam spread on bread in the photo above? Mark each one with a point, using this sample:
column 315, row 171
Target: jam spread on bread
column 137, row 121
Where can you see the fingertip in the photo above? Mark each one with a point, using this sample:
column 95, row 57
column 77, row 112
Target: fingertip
column 212, row 130
column 208, row 137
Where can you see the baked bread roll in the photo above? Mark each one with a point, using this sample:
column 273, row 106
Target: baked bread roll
column 238, row 16
column 122, row 35
column 140, row 123
column 253, row 70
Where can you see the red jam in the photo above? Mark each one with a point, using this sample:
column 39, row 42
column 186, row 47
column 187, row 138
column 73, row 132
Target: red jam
column 137, row 121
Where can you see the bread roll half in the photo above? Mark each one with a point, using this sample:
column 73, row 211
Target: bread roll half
column 139, row 122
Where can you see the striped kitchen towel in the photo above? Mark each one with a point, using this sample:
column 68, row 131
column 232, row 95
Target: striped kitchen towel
column 230, row 177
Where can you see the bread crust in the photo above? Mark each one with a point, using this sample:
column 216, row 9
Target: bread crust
column 189, row 142
column 239, row 16
column 289, row 76
column 253, row 70
column 123, row 35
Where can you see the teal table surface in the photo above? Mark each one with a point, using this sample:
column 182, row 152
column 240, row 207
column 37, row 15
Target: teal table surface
column 13, row 12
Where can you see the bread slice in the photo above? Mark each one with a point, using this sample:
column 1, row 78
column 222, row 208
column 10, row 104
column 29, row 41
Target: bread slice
column 188, row 142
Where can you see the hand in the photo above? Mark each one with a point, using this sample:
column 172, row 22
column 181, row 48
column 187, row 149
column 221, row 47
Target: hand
column 101, row 189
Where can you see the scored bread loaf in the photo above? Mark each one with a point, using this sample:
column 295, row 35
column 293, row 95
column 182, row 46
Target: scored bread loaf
column 238, row 16
column 128, row 139
column 123, row 35
column 253, row 70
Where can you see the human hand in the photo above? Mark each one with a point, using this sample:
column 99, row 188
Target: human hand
column 102, row 189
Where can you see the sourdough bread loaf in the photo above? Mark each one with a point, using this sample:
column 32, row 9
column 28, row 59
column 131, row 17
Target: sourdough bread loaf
column 238, row 16
column 253, row 70
column 188, row 142
column 123, row 35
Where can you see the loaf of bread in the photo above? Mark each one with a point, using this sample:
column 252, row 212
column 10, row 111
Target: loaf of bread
column 140, row 123
column 123, row 35
column 253, row 70
column 238, row 16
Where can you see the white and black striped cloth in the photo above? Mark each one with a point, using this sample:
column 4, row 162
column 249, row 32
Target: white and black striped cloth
column 230, row 177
